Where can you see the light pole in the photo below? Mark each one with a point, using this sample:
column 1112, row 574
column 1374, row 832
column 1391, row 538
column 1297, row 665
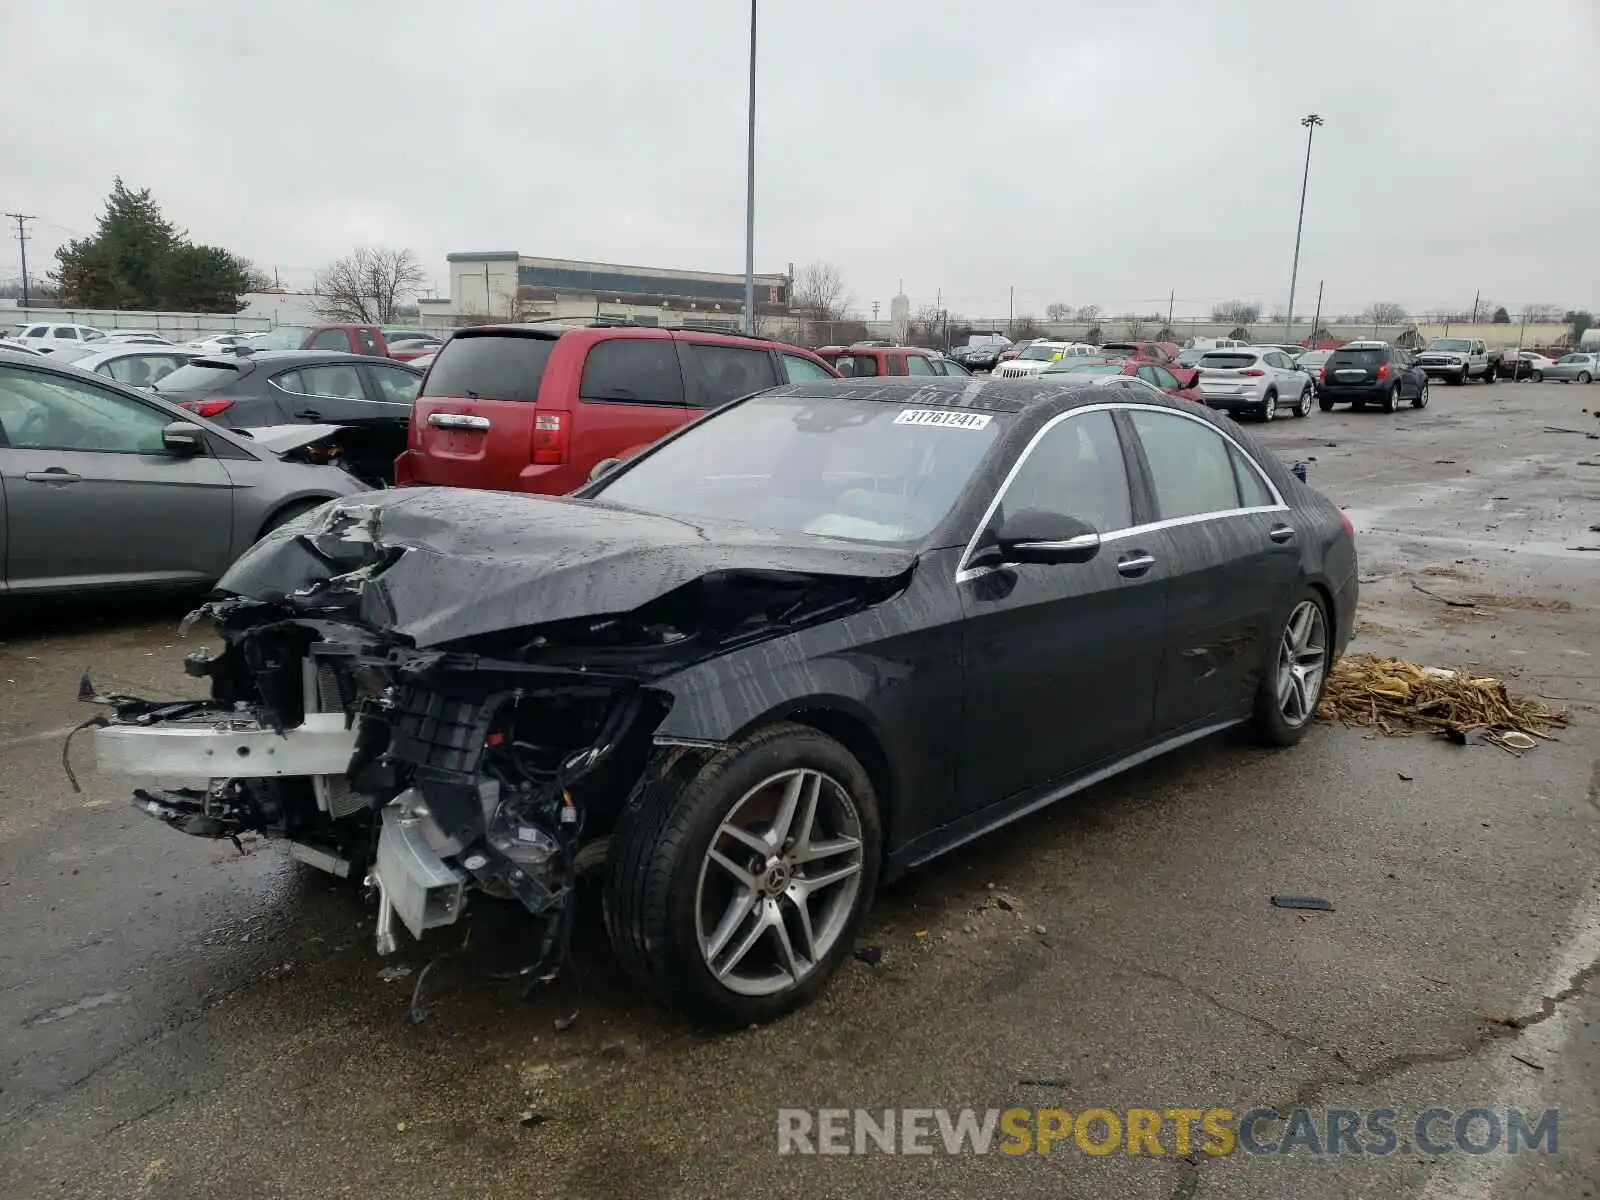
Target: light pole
column 750, row 193
column 1310, row 121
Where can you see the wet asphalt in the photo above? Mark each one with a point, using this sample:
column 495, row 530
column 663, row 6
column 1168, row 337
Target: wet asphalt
column 178, row 1019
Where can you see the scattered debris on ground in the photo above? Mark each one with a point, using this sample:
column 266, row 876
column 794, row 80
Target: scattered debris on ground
column 871, row 955
column 393, row 974
column 1490, row 599
column 1398, row 697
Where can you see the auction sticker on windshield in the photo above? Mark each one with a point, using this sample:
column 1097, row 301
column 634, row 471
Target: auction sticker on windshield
column 942, row 417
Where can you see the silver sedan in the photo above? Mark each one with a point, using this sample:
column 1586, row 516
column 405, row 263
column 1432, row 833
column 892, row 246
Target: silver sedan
column 136, row 364
column 1569, row 368
column 106, row 487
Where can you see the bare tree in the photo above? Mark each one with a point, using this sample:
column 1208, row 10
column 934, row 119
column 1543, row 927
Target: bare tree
column 1384, row 312
column 1027, row 326
column 368, row 284
column 1135, row 325
column 926, row 327
column 1541, row 314
column 1236, row 312
column 1058, row 312
column 819, row 292
column 1089, row 313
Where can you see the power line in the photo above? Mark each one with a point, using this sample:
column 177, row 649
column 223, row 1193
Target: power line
column 22, row 220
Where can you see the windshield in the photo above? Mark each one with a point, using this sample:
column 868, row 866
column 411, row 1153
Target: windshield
column 284, row 337
column 199, row 378
column 1040, row 352
column 1451, row 344
column 1080, row 366
column 864, row 470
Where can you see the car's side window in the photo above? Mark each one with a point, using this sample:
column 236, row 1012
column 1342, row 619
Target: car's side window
column 39, row 412
column 338, row 382
column 1190, row 465
column 632, row 371
column 66, row 333
column 330, row 339
column 918, row 365
column 394, row 385
column 1075, row 469
column 38, row 331
column 1164, row 378
column 1253, row 490
column 137, row 370
column 799, row 370
column 729, row 372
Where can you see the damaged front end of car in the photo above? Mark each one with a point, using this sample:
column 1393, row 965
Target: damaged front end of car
column 496, row 761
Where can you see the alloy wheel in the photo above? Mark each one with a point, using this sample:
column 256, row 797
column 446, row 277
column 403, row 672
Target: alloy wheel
column 778, row 882
column 1302, row 663
column 1270, row 408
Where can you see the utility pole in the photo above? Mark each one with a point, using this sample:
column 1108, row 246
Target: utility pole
column 22, row 240
column 1316, row 321
column 1011, row 313
column 750, row 193
column 1310, row 121
column 1476, row 296
column 1171, row 300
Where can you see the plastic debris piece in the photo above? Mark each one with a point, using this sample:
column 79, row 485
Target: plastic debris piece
column 394, row 974
column 1316, row 903
column 871, row 955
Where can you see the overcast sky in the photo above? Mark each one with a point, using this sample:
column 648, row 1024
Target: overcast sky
column 1076, row 151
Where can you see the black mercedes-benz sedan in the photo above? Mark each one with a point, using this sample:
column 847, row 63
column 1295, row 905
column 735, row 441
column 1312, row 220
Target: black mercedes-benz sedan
column 815, row 638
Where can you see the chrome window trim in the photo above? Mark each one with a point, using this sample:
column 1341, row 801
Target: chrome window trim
column 965, row 573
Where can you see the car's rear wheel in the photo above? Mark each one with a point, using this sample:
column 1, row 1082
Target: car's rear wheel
column 1325, row 402
column 1488, row 374
column 1291, row 687
column 1303, row 408
column 1537, row 376
column 1391, row 399
column 735, row 895
column 1584, row 377
column 1269, row 406
column 1421, row 400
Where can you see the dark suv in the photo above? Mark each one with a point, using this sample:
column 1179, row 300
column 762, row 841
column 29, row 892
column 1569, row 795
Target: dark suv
column 1363, row 373
column 533, row 408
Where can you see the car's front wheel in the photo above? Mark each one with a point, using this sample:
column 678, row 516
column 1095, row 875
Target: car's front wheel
column 1303, row 408
column 1537, row 377
column 734, row 895
column 1291, row 687
column 1269, row 406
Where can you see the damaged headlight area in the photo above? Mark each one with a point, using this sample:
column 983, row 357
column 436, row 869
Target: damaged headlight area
column 429, row 774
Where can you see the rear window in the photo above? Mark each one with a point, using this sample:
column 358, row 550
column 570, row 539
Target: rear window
column 1228, row 362
column 490, row 367
column 199, row 378
column 1356, row 358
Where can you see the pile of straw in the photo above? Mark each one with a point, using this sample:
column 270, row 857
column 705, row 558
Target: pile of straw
column 1399, row 698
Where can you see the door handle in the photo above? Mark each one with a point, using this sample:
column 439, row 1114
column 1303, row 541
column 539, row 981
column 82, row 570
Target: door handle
column 1281, row 533
column 308, row 414
column 53, row 475
column 1135, row 564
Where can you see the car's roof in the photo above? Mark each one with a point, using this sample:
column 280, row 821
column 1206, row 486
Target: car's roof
column 129, row 350
column 976, row 392
column 270, row 358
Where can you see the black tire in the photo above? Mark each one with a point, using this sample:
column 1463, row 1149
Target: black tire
column 289, row 512
column 1537, row 376
column 1458, row 380
column 1325, row 403
column 1585, row 377
column 1421, row 400
column 1488, row 375
column 1268, row 723
column 657, row 850
column 1391, row 399
column 1269, row 406
column 1302, row 407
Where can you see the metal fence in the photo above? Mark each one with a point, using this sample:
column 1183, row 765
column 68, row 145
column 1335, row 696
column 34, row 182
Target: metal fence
column 177, row 324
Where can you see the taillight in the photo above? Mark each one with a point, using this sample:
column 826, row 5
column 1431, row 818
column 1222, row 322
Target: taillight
column 1324, row 372
column 549, row 440
column 1344, row 519
column 1252, row 371
column 1383, row 370
column 207, row 408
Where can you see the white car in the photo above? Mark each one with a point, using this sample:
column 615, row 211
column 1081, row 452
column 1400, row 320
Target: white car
column 220, row 343
column 1253, row 379
column 1036, row 357
column 50, row 338
column 143, row 337
column 134, row 364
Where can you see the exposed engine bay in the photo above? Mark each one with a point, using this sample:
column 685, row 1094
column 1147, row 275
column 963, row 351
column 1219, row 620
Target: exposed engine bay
column 496, row 763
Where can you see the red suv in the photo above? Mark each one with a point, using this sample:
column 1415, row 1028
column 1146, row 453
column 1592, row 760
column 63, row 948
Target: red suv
column 533, row 408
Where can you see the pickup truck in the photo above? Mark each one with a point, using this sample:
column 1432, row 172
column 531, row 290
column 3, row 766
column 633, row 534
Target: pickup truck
column 1457, row 360
column 346, row 339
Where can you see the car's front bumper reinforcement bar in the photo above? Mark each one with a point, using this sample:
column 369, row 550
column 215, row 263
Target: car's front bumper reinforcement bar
column 216, row 746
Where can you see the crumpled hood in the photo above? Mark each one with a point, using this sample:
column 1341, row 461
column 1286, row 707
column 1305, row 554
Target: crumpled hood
column 475, row 562
column 281, row 439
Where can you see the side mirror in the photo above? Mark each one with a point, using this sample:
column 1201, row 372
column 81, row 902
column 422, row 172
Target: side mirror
column 183, row 439
column 604, row 467
column 1036, row 536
